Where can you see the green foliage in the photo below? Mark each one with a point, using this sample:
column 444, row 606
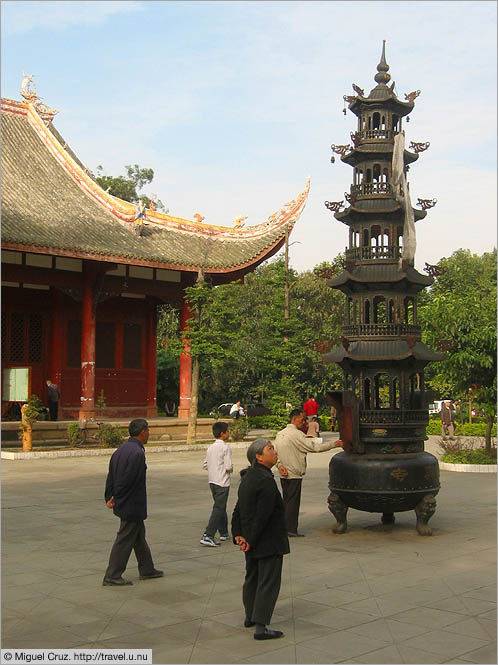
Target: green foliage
column 126, row 187
column 36, row 410
column 73, row 434
column 238, row 429
column 458, row 313
column 268, row 422
column 110, row 436
column 466, row 451
column 238, row 331
column 100, row 404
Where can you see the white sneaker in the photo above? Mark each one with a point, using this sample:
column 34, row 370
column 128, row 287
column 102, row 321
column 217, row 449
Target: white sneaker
column 227, row 537
column 209, row 542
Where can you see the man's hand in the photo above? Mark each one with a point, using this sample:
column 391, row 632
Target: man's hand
column 242, row 543
column 283, row 471
column 110, row 503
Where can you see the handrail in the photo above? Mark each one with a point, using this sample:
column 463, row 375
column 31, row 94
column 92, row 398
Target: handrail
column 381, row 329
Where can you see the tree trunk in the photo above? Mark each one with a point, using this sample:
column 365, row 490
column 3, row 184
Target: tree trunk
column 489, row 427
column 194, row 399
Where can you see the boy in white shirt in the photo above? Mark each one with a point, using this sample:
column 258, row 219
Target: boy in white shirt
column 219, row 466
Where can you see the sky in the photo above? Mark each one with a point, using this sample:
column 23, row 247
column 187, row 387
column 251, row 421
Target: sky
column 234, row 104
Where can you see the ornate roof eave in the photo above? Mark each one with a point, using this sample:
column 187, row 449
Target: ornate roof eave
column 353, row 213
column 372, row 149
column 392, row 274
column 390, row 102
column 363, row 351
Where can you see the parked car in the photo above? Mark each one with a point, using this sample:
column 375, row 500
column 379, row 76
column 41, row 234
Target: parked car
column 251, row 409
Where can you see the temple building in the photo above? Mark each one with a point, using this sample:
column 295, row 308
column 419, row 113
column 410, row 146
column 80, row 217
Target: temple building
column 80, row 286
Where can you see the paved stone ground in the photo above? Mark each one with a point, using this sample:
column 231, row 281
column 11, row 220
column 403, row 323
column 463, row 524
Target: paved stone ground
column 373, row 595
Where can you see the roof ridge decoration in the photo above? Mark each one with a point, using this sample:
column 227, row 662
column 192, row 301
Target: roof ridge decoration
column 124, row 211
column 30, row 94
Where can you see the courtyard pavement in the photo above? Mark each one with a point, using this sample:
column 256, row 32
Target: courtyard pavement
column 377, row 594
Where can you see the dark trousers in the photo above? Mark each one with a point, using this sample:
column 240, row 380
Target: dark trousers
column 261, row 587
column 291, row 495
column 131, row 536
column 219, row 518
column 53, row 408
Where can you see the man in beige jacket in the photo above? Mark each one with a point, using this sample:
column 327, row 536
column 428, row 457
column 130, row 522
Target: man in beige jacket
column 292, row 446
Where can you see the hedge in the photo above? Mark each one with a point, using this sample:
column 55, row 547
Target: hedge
column 467, row 429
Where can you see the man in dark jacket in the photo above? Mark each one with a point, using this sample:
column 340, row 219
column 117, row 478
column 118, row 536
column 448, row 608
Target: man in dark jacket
column 126, row 494
column 447, row 420
column 258, row 528
column 53, row 397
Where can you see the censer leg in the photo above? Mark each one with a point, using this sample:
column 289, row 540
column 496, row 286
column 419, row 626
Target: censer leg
column 339, row 509
column 387, row 518
column 424, row 510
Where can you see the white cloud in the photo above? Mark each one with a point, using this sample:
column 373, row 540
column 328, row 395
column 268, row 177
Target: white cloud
column 20, row 17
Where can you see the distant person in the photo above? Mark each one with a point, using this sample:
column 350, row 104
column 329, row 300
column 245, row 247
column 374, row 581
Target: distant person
column 258, row 528
column 219, row 466
column 333, row 418
column 310, row 408
column 447, row 420
column 236, row 411
column 313, row 428
column 126, row 494
column 170, row 407
column 53, row 397
column 292, row 446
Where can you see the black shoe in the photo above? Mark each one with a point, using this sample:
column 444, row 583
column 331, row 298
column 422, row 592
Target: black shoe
column 268, row 635
column 291, row 534
column 152, row 576
column 248, row 623
column 119, row 581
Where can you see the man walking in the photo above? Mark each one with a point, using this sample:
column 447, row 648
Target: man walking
column 258, row 528
column 447, row 419
column 53, row 397
column 292, row 446
column 219, row 466
column 126, row 494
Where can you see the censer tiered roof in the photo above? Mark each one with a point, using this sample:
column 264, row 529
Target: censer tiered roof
column 51, row 205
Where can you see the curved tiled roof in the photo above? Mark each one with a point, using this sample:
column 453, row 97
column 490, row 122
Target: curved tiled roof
column 51, row 205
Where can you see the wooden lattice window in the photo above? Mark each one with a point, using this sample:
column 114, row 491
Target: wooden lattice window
column 22, row 338
column 35, row 346
column 132, row 346
column 17, row 337
column 73, row 348
column 105, row 344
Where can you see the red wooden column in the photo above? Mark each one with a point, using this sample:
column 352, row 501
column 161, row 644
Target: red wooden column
column 56, row 345
column 151, row 359
column 185, row 365
column 87, row 399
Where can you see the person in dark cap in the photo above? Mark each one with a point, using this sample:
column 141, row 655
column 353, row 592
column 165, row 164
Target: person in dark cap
column 258, row 528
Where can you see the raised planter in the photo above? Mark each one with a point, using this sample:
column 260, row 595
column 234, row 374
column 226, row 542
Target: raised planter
column 468, row 468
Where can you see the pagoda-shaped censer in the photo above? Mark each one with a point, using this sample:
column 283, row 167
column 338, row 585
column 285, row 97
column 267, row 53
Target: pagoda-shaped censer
column 382, row 410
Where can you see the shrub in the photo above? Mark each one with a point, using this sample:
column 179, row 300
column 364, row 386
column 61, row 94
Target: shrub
column 478, row 456
column 110, row 436
column 465, row 451
column 268, row 422
column 73, row 434
column 238, row 429
column 465, row 429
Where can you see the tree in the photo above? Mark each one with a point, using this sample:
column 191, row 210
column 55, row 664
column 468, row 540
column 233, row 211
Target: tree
column 458, row 314
column 125, row 187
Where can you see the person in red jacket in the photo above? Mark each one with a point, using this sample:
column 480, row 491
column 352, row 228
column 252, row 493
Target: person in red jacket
column 310, row 408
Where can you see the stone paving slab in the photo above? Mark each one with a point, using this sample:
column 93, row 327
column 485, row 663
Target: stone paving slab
column 377, row 594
